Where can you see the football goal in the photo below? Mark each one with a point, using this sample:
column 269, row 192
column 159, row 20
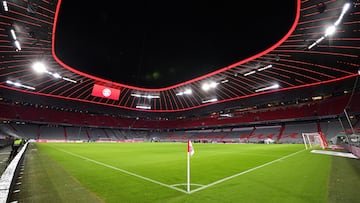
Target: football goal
column 104, row 139
column 313, row 140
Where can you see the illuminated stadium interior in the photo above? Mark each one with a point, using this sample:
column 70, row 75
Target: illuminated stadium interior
column 263, row 86
column 306, row 56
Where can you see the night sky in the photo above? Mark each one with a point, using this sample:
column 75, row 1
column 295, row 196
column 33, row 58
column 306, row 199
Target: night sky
column 159, row 44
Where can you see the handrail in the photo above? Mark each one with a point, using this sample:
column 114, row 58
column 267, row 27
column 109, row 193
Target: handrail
column 10, row 174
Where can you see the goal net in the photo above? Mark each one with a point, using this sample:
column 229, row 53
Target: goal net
column 314, row 140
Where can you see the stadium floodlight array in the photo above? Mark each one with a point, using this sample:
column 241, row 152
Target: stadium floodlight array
column 331, row 29
column 41, row 68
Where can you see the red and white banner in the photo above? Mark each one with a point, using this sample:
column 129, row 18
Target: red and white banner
column 105, row 92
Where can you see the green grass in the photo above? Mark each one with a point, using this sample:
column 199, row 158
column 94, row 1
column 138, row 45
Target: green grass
column 344, row 180
column 156, row 172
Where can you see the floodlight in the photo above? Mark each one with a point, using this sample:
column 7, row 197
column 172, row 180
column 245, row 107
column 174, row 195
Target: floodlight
column 147, row 96
column 330, row 30
column 17, row 45
column 345, row 8
column 209, row 100
column 56, row 75
column 69, row 80
column 5, row 6
column 275, row 86
column 39, row 67
column 12, row 31
column 152, row 96
column 264, row 68
column 213, row 84
column 143, row 107
column 17, row 84
column 188, row 91
column 205, row 87
column 249, row 73
column 209, row 85
column 185, row 92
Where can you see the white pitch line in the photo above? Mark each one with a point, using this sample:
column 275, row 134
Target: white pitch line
column 242, row 173
column 172, row 186
column 122, row 170
column 180, row 184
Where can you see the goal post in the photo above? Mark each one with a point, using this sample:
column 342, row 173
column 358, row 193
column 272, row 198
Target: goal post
column 313, row 139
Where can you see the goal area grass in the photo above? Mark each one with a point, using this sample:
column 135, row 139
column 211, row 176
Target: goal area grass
column 157, row 172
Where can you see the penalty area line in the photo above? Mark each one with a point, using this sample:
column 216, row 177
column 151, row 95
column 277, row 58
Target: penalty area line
column 181, row 184
column 244, row 172
column 122, row 170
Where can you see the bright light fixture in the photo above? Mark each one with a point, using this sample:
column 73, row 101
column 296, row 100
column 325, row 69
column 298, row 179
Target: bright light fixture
column 185, row 92
column 17, row 84
column 275, row 86
column 264, row 68
column 330, row 30
column 56, row 75
column 39, row 67
column 148, row 96
column 143, row 107
column 17, row 45
column 69, row 80
column 209, row 100
column 209, row 85
column 249, row 73
column 346, row 7
column 5, row 5
column 13, row 35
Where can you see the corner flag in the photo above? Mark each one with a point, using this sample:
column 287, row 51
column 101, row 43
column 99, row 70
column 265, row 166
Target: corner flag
column 190, row 148
column 190, row 152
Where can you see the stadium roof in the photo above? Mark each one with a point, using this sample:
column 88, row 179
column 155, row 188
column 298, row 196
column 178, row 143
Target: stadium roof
column 321, row 46
column 162, row 43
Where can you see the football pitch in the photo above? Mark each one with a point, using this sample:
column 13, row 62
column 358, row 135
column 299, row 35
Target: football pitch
column 157, row 172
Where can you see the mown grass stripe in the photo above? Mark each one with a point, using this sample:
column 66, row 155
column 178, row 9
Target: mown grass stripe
column 244, row 172
column 121, row 170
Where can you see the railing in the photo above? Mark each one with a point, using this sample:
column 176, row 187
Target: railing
column 10, row 174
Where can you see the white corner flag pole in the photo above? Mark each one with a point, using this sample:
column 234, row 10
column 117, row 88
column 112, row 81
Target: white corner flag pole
column 190, row 152
column 188, row 169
